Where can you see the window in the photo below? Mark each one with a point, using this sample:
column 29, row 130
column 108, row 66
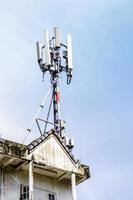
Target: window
column 51, row 196
column 24, row 192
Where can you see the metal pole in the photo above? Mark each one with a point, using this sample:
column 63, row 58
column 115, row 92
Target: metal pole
column 49, row 110
column 31, row 180
column 73, row 185
column 56, row 106
column 2, row 185
column 55, row 57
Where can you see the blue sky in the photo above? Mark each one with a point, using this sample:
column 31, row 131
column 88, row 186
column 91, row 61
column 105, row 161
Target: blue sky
column 97, row 106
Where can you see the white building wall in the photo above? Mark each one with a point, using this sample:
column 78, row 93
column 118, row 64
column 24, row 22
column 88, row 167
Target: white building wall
column 42, row 186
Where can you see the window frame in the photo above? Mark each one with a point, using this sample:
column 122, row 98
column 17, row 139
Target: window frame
column 24, row 192
column 51, row 196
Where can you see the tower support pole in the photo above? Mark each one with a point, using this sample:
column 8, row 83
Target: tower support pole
column 31, row 197
column 56, row 106
column 55, row 57
column 73, row 186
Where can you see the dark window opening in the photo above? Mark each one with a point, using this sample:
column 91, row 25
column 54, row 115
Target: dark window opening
column 24, row 193
column 51, row 197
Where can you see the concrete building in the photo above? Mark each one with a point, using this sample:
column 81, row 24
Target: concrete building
column 43, row 170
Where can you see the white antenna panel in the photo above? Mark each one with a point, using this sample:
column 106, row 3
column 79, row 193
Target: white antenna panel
column 46, row 48
column 71, row 142
column 57, row 37
column 39, row 55
column 69, row 52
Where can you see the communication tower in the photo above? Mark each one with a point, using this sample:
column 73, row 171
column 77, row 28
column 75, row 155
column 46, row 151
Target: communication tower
column 54, row 57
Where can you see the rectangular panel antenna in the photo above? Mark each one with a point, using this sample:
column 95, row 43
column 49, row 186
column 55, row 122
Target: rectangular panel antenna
column 69, row 52
column 57, row 35
column 46, row 48
column 39, row 55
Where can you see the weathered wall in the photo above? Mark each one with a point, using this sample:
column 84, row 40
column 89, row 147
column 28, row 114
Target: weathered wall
column 42, row 185
column 51, row 153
